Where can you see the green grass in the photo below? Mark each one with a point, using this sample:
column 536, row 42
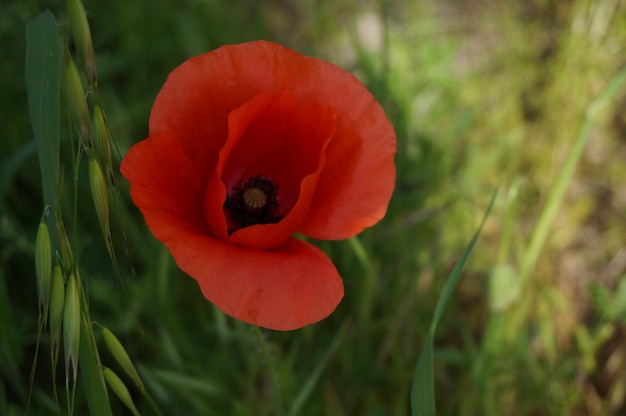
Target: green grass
column 527, row 97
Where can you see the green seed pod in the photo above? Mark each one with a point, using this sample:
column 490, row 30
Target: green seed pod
column 100, row 197
column 78, row 103
column 121, row 356
column 102, row 142
column 67, row 256
column 43, row 266
column 81, row 33
column 120, row 390
column 57, row 303
column 71, row 326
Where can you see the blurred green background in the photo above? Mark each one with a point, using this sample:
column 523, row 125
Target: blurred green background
column 482, row 94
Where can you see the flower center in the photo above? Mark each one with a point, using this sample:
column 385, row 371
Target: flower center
column 252, row 201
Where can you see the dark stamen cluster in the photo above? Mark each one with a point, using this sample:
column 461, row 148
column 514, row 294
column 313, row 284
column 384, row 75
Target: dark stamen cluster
column 253, row 201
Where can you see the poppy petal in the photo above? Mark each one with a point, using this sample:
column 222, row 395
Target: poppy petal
column 271, row 136
column 314, row 141
column 356, row 184
column 287, row 288
column 164, row 185
column 354, row 191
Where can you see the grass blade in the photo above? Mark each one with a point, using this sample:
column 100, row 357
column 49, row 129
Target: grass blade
column 423, row 389
column 549, row 212
column 43, row 85
column 315, row 376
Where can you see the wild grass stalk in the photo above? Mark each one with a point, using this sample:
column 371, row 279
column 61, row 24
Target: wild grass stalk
column 555, row 197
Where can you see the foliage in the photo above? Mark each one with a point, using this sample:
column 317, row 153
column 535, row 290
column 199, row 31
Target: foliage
column 482, row 95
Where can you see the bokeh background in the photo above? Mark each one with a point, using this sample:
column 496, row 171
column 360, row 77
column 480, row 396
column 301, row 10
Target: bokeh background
column 483, row 94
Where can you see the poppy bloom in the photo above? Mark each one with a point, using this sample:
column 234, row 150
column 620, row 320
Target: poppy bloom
column 248, row 145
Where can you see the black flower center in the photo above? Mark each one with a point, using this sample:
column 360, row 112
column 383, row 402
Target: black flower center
column 252, row 201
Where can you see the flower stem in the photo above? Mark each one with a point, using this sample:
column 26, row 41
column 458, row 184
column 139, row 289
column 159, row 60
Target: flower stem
column 280, row 409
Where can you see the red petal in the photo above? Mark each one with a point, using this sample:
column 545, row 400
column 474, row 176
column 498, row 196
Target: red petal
column 274, row 137
column 164, row 185
column 287, row 288
column 283, row 289
column 356, row 183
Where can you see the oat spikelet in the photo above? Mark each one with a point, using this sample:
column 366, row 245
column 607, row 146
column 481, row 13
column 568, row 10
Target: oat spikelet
column 119, row 388
column 77, row 102
column 102, row 142
column 43, row 266
column 57, row 304
column 100, row 198
column 71, row 327
column 81, row 34
column 121, row 356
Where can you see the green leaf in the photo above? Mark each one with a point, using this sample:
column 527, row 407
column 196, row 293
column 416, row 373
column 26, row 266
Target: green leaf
column 423, row 389
column 43, row 86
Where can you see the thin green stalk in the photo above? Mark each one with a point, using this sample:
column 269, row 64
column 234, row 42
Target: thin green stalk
column 152, row 403
column 31, row 380
column 508, row 225
column 551, row 208
column 368, row 284
column 280, row 409
column 163, row 275
column 315, row 376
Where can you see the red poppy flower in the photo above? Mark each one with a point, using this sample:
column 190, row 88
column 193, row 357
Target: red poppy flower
column 248, row 145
